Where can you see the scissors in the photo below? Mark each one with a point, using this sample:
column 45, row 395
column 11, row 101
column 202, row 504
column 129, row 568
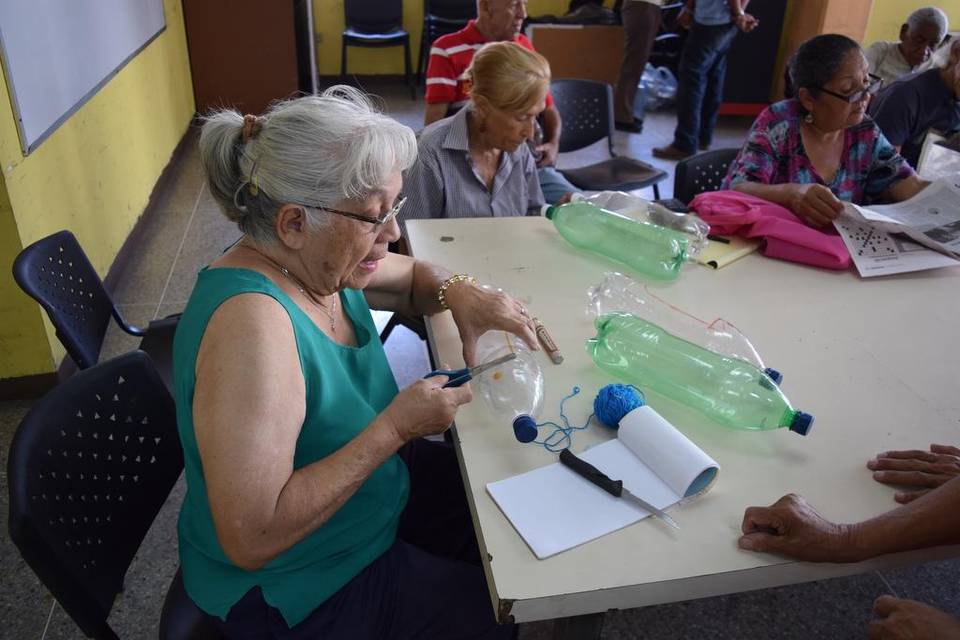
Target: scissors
column 460, row 376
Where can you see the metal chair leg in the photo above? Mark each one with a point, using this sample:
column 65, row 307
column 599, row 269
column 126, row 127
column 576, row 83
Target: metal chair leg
column 423, row 52
column 407, row 70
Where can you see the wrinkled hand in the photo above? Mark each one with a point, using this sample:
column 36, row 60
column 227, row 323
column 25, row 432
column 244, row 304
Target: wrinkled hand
column 425, row 408
column 927, row 469
column 815, row 204
column 477, row 310
column 685, row 19
column 899, row 619
column 548, row 154
column 746, row 22
column 792, row 527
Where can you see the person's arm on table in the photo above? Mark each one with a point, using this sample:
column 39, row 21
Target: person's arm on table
column 925, row 469
column 815, row 204
column 905, row 189
column 794, row 528
column 412, row 286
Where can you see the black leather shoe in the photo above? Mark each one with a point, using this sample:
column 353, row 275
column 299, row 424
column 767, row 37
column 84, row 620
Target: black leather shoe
column 630, row 127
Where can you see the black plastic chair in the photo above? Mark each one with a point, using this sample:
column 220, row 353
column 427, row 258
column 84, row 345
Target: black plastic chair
column 586, row 109
column 376, row 23
column 441, row 17
column 56, row 273
column 416, row 324
column 89, row 468
column 702, row 172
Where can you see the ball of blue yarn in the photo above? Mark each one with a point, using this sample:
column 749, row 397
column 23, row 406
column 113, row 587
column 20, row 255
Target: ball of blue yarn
column 615, row 401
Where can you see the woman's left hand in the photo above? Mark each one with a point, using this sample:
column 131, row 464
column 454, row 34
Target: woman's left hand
column 924, row 470
column 477, row 310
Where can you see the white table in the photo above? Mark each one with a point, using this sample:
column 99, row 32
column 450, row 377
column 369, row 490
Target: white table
column 875, row 361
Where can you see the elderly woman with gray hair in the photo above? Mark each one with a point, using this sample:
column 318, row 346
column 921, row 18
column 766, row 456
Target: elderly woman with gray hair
column 313, row 508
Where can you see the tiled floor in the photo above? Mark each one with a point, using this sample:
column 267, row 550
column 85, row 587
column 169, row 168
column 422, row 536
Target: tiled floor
column 186, row 231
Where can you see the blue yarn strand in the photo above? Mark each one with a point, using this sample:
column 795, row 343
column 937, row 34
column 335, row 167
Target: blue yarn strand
column 560, row 438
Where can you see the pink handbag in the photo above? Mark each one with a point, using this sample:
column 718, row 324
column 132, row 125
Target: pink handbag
column 785, row 236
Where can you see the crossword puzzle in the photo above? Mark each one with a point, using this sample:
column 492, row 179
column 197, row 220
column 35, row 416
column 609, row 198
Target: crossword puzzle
column 876, row 244
column 869, row 242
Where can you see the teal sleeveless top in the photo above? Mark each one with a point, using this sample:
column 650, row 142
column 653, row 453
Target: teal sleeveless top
column 346, row 387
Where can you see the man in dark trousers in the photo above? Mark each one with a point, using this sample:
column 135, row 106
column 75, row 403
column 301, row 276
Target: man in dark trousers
column 713, row 25
column 641, row 21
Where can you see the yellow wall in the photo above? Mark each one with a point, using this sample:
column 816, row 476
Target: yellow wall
column 328, row 25
column 22, row 335
column 93, row 176
column 887, row 16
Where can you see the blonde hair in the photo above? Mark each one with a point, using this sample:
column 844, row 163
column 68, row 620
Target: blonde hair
column 508, row 76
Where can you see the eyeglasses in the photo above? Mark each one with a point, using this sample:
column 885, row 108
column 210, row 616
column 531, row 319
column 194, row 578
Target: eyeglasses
column 872, row 87
column 376, row 222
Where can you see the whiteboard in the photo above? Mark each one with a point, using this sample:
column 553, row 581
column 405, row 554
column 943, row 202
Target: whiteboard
column 58, row 53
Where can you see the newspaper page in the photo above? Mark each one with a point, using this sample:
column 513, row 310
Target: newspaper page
column 939, row 160
column 930, row 221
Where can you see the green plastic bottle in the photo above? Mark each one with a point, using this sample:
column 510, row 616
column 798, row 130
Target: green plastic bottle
column 730, row 391
column 653, row 250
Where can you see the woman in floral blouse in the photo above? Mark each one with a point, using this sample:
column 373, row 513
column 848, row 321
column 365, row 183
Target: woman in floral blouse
column 814, row 151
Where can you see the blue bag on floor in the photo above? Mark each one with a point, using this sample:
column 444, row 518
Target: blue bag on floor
column 657, row 90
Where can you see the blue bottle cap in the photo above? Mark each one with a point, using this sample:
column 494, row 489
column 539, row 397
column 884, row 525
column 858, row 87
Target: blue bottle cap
column 801, row 423
column 775, row 375
column 525, row 428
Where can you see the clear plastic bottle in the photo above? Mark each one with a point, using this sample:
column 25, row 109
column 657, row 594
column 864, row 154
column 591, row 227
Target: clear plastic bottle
column 620, row 293
column 648, row 248
column 641, row 209
column 514, row 390
column 728, row 390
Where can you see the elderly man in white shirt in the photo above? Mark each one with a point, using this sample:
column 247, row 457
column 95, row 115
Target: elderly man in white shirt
column 923, row 31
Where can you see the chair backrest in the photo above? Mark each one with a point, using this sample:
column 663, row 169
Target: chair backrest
column 56, row 273
column 89, row 468
column 451, row 9
column 373, row 16
column 702, row 172
column 586, row 110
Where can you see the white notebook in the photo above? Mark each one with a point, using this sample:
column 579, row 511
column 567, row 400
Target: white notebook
column 554, row 509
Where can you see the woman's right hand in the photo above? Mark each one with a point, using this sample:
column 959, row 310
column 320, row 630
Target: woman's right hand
column 815, row 204
column 425, row 408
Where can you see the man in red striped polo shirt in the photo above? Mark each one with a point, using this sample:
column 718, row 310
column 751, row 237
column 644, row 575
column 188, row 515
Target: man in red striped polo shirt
column 497, row 21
